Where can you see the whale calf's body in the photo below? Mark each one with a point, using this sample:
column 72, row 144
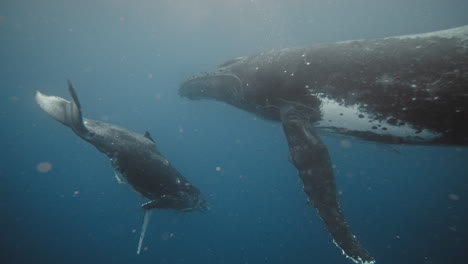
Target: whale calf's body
column 409, row 89
column 133, row 156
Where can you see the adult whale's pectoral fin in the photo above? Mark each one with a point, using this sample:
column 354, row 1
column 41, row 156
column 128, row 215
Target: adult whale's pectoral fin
column 310, row 156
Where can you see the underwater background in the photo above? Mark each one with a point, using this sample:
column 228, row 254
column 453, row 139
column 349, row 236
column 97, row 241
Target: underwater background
column 60, row 201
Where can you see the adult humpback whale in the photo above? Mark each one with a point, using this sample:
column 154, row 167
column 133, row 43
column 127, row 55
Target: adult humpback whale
column 408, row 89
column 134, row 158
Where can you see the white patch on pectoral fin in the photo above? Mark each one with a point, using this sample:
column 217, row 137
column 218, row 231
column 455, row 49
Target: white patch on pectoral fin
column 118, row 176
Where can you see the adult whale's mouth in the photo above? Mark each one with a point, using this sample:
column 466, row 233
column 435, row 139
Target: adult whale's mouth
column 218, row 86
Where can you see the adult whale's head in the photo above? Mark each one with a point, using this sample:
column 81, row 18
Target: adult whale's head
column 260, row 84
column 221, row 84
column 215, row 85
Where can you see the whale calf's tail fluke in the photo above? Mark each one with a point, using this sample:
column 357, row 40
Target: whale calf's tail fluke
column 66, row 112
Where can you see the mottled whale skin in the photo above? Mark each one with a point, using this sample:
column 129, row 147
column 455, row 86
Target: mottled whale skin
column 404, row 90
column 133, row 156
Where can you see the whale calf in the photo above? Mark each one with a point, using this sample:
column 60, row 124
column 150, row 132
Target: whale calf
column 133, row 156
column 403, row 90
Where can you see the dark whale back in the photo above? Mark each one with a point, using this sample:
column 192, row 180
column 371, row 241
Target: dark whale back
column 408, row 89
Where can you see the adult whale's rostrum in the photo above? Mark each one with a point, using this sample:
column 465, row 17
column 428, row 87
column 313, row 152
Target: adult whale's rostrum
column 404, row 90
column 133, row 156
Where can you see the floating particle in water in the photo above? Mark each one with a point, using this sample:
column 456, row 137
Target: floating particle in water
column 133, row 230
column 454, row 197
column 181, row 130
column 44, row 167
column 167, row 235
column 14, row 99
column 218, row 168
column 150, row 76
column 88, row 69
column 75, row 193
column 345, row 143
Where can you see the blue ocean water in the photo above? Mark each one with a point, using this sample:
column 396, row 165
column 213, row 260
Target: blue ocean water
column 407, row 204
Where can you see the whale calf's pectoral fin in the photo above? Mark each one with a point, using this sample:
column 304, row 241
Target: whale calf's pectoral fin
column 310, row 156
column 143, row 229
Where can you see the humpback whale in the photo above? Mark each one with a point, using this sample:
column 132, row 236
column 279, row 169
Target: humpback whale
column 133, row 156
column 409, row 89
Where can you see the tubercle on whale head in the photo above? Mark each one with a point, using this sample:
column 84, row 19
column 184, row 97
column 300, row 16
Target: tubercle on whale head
column 217, row 85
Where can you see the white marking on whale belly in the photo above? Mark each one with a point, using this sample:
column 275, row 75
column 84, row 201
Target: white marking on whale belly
column 351, row 118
